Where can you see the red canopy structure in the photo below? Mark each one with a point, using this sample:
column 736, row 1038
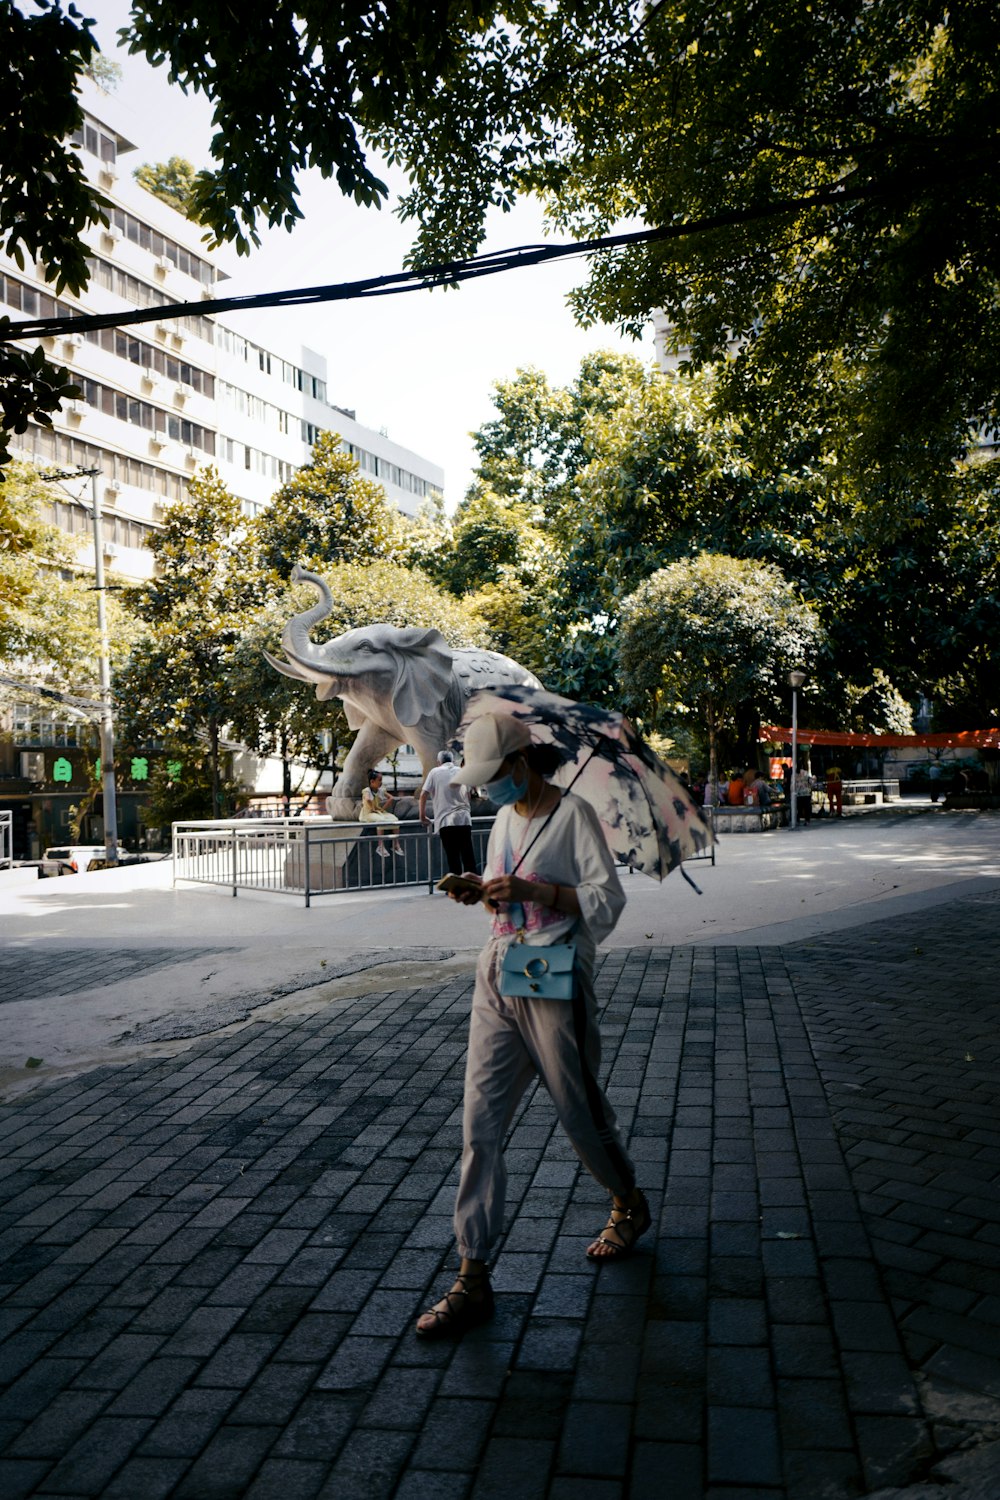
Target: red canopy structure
column 959, row 739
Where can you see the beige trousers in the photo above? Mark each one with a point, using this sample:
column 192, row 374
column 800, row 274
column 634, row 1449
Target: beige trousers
column 510, row 1042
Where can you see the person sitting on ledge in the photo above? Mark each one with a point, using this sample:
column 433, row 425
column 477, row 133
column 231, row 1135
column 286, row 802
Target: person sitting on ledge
column 374, row 803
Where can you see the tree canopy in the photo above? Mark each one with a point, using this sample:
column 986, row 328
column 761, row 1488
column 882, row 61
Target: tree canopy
column 714, row 636
column 48, row 614
column 175, row 685
column 622, row 472
column 171, row 181
column 326, row 513
column 824, row 174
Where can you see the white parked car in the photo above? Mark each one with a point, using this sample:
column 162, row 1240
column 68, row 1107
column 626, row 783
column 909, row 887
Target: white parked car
column 70, row 859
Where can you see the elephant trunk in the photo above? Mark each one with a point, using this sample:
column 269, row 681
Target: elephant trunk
column 295, row 637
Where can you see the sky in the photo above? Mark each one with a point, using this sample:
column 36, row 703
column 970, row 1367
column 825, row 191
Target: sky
column 420, row 366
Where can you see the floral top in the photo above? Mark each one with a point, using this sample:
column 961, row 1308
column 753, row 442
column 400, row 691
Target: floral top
column 570, row 850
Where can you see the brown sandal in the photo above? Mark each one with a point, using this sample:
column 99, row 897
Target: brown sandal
column 629, row 1226
column 453, row 1321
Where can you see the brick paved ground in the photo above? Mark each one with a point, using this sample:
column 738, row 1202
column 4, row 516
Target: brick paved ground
column 42, row 971
column 213, row 1262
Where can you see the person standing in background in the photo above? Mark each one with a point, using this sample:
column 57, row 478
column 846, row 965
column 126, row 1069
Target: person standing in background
column 835, row 791
column 803, row 796
column 452, row 815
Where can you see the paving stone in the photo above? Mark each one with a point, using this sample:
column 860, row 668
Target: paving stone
column 673, row 1469
column 91, row 1461
column 275, row 1394
column 226, row 1467
column 514, row 1466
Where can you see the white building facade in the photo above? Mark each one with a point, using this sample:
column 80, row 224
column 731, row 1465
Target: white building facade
column 163, row 399
column 159, row 401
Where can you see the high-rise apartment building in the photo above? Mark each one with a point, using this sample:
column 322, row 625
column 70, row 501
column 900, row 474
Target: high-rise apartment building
column 159, row 401
column 162, row 399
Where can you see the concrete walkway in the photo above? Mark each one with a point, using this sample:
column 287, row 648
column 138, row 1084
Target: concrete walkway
column 214, row 1249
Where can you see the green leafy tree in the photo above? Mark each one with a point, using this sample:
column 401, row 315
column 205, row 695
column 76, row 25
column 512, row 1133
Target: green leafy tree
column 629, row 470
column 45, row 200
column 425, row 541
column 171, row 181
column 326, row 514
column 714, row 636
column 298, row 84
column 175, row 686
column 105, row 72
column 48, row 614
column 619, row 473
column 384, row 590
column 185, row 786
column 826, row 172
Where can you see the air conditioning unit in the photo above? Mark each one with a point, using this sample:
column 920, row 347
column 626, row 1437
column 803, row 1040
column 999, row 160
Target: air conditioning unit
column 184, row 392
column 192, row 457
column 164, row 448
column 111, row 549
column 74, row 410
column 164, row 264
column 112, row 235
column 159, row 509
column 114, row 486
column 109, row 175
column 150, row 376
column 178, row 335
column 73, row 340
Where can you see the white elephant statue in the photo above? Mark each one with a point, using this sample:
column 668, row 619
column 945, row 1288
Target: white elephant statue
column 398, row 684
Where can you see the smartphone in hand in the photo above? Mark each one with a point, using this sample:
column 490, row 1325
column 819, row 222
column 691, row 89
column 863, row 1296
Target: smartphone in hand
column 467, row 884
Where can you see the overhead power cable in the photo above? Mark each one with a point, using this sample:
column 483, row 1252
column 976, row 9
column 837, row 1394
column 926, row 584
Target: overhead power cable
column 450, row 273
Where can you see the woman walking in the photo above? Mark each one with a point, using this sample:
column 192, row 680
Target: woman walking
column 549, row 879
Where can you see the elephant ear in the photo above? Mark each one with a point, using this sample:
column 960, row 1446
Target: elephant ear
column 423, row 673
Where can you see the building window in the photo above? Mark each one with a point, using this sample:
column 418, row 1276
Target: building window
column 90, row 137
column 143, row 414
column 158, row 244
column 34, row 725
column 141, row 294
column 45, row 445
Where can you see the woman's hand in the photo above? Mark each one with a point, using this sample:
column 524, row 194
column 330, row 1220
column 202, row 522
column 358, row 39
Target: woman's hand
column 465, row 898
column 505, row 888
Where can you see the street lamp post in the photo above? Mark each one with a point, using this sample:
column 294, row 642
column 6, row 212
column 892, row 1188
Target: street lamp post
column 795, row 681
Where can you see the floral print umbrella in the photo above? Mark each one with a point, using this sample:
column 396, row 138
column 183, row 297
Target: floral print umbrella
column 648, row 817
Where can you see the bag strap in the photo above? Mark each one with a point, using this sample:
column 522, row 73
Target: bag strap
column 522, row 857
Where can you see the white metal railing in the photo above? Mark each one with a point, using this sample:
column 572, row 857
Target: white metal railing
column 6, row 840
column 312, row 856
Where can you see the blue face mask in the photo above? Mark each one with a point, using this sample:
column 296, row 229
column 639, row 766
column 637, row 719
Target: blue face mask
column 506, row 790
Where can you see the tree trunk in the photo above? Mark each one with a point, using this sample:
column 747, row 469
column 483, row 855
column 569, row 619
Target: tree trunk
column 713, row 759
